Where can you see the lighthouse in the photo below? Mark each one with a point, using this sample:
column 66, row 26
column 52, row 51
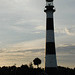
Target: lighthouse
column 50, row 53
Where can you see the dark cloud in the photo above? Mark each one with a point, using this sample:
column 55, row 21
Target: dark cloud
column 23, row 51
column 70, row 49
column 65, row 55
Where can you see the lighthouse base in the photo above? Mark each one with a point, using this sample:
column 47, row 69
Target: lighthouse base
column 51, row 71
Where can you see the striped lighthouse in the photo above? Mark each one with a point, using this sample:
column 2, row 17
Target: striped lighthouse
column 50, row 53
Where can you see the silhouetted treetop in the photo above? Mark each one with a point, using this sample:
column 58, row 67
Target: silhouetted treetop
column 37, row 61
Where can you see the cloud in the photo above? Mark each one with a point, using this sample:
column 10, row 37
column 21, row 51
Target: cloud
column 60, row 30
column 66, row 48
column 18, row 20
column 65, row 55
column 65, row 31
column 22, row 53
column 20, row 58
column 70, row 31
column 40, row 27
column 34, row 44
column 64, row 18
column 25, row 52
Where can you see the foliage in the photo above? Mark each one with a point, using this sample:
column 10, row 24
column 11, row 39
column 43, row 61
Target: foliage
column 31, row 65
column 26, row 70
column 37, row 61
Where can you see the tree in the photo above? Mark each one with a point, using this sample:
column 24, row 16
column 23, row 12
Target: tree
column 37, row 61
column 31, row 65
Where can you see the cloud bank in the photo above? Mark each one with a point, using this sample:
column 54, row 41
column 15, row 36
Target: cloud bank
column 22, row 31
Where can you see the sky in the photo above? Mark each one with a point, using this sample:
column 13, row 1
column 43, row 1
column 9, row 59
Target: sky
column 23, row 31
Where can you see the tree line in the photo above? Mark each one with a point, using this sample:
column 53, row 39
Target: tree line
column 30, row 70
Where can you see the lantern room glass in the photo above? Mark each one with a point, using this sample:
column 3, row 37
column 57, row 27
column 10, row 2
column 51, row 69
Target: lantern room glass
column 49, row 3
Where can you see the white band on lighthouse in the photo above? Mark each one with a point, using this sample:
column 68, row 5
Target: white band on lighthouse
column 50, row 36
column 50, row 60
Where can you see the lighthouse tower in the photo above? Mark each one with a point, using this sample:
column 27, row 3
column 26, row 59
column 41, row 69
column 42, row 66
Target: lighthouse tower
column 50, row 53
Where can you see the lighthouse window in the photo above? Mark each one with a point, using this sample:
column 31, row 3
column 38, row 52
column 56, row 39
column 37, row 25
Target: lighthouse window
column 49, row 3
